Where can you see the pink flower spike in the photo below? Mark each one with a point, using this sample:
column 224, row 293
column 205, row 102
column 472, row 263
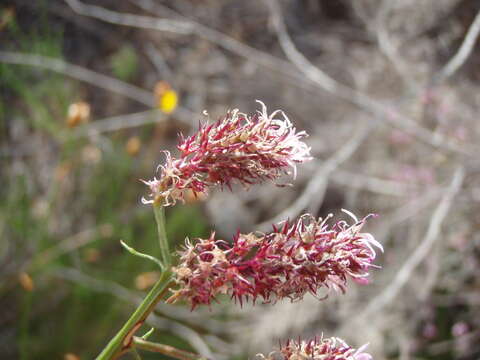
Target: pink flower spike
column 300, row 257
column 317, row 349
column 247, row 149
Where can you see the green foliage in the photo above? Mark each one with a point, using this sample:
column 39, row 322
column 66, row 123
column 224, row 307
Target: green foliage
column 124, row 63
column 55, row 192
column 40, row 98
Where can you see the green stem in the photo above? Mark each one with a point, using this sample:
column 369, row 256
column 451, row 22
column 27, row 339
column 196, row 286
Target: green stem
column 159, row 211
column 165, row 350
column 122, row 341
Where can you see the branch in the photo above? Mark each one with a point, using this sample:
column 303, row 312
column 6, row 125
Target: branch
column 65, row 246
column 163, row 69
column 433, row 233
column 463, row 52
column 121, row 122
column 114, row 123
column 146, row 22
column 387, row 47
column 353, row 96
column 314, row 76
column 408, row 210
column 126, row 121
column 313, row 194
column 186, row 26
column 170, row 351
column 79, row 73
column 369, row 183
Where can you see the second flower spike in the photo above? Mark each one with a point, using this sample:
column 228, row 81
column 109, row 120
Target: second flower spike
column 299, row 257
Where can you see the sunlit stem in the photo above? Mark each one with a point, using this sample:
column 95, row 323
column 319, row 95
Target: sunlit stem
column 122, row 341
column 165, row 255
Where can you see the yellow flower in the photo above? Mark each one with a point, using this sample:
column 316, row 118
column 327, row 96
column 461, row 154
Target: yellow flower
column 167, row 98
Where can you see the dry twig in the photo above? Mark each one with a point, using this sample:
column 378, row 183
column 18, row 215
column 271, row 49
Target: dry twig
column 313, row 75
column 312, row 196
column 79, row 73
column 463, row 52
column 351, row 95
column 433, row 233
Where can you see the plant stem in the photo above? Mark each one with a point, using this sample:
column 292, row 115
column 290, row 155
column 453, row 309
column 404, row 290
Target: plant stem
column 159, row 211
column 122, row 341
column 165, row 350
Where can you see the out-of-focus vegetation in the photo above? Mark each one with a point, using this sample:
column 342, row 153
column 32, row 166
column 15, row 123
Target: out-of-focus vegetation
column 80, row 125
column 60, row 191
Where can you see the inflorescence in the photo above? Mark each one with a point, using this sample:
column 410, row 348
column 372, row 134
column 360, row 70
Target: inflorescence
column 296, row 258
column 245, row 148
column 317, row 349
column 299, row 257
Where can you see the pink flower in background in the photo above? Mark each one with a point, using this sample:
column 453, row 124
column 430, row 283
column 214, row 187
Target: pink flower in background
column 318, row 349
column 299, row 257
column 238, row 147
column 460, row 328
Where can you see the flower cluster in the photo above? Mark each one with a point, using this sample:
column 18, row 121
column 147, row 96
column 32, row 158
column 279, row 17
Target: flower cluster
column 318, row 349
column 248, row 149
column 299, row 257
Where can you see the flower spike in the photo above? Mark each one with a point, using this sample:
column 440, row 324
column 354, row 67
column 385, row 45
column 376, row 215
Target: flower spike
column 300, row 257
column 247, row 149
column 317, row 349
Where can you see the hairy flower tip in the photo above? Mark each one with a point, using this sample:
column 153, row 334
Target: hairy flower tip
column 300, row 257
column 245, row 148
column 318, row 349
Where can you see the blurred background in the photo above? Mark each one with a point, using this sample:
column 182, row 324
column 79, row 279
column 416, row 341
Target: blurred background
column 91, row 92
